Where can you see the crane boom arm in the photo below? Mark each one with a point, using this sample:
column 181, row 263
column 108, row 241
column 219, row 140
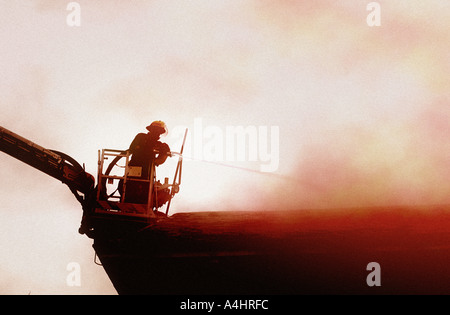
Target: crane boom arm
column 53, row 163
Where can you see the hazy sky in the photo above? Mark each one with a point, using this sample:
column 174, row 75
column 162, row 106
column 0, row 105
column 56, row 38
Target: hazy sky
column 363, row 112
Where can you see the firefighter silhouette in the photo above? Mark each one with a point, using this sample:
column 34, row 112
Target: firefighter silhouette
column 145, row 150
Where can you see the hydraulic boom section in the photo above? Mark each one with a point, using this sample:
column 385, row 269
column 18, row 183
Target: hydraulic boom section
column 53, row 163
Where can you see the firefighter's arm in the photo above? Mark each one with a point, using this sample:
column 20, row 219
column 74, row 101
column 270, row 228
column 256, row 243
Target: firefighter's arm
column 163, row 154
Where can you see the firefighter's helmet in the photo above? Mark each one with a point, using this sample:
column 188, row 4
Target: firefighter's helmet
column 159, row 127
